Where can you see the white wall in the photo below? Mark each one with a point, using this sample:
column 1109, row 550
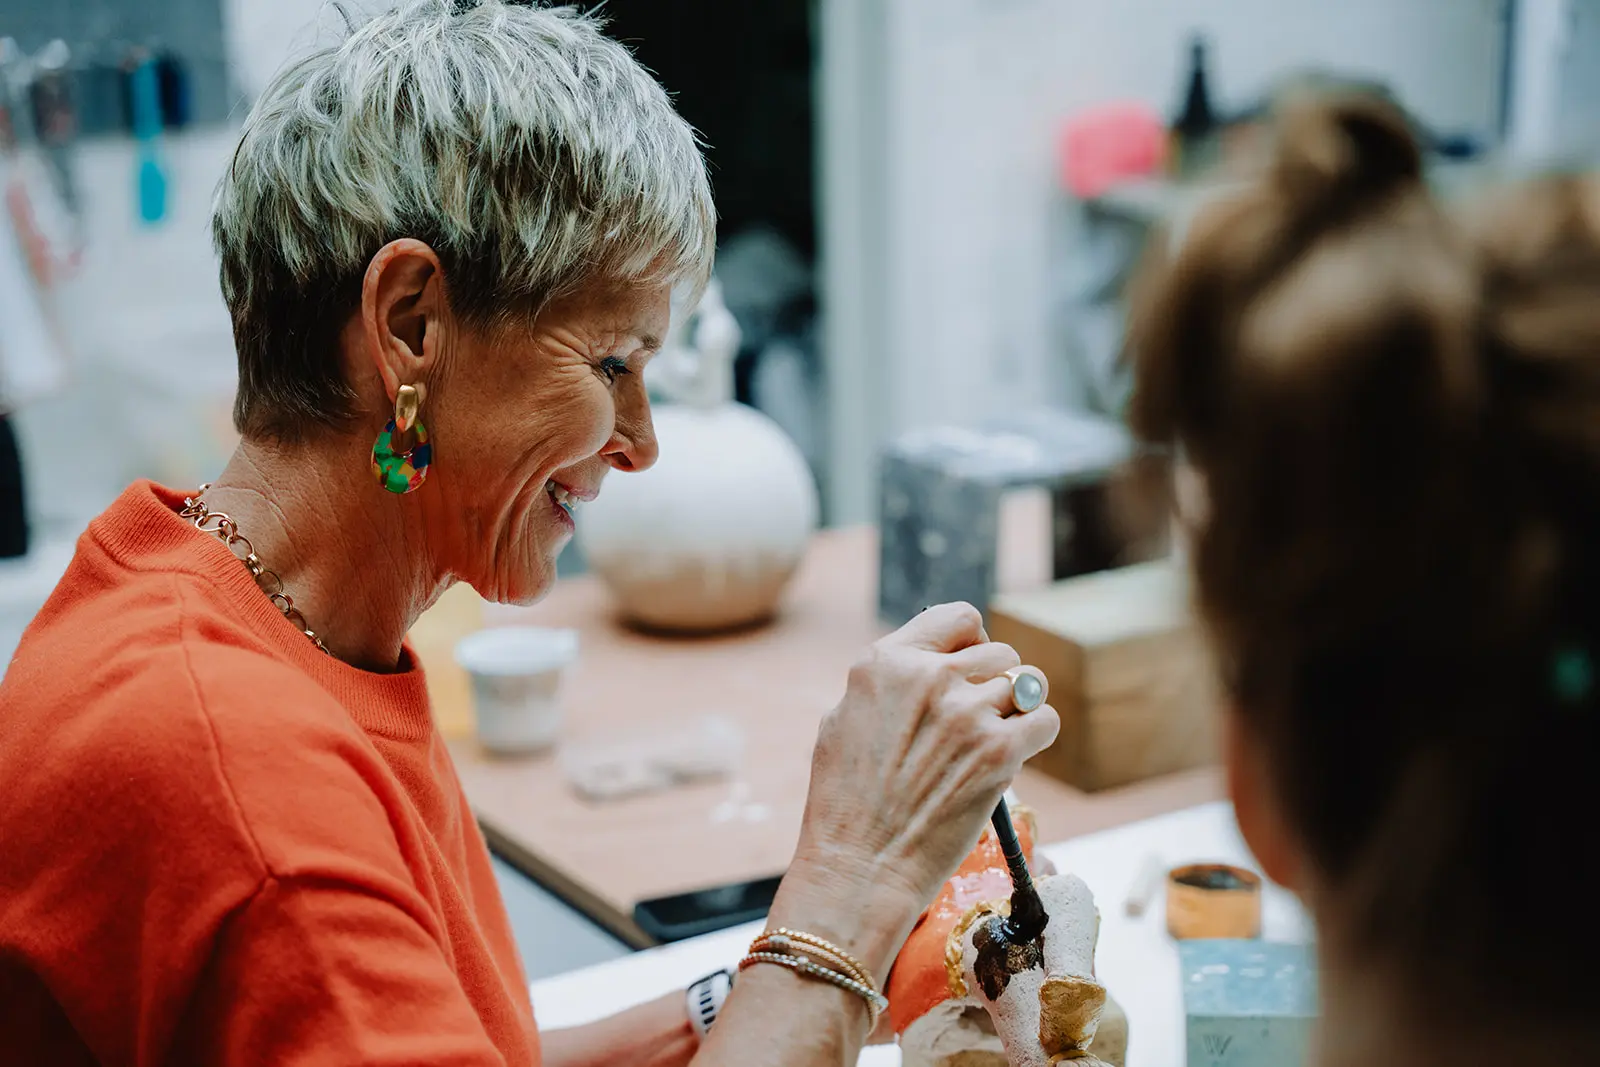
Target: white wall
column 262, row 34
column 150, row 349
column 974, row 92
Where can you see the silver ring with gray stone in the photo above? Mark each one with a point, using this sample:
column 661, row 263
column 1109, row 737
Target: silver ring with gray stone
column 1029, row 688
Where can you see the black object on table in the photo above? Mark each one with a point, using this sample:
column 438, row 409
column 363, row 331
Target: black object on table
column 13, row 509
column 706, row 911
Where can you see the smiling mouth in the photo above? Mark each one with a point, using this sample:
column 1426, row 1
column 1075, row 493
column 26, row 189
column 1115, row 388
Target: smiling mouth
column 565, row 500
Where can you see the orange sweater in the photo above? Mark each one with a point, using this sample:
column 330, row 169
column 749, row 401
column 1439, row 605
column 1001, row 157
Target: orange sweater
column 220, row 846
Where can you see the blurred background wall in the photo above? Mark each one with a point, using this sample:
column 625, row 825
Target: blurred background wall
column 972, row 94
column 149, row 345
column 888, row 170
column 192, row 32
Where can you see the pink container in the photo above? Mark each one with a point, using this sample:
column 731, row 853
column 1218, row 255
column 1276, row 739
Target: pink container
column 1111, row 144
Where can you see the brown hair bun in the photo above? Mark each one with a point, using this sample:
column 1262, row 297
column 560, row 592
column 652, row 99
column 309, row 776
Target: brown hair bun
column 1337, row 154
column 1332, row 276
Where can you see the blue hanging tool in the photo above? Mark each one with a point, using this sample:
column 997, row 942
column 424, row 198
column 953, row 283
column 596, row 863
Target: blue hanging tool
column 145, row 91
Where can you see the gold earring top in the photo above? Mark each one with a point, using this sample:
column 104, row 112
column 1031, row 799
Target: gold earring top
column 407, row 401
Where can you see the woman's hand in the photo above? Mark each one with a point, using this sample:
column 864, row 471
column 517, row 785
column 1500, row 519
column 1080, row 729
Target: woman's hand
column 907, row 770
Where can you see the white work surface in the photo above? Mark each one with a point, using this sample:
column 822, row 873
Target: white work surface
column 1136, row 959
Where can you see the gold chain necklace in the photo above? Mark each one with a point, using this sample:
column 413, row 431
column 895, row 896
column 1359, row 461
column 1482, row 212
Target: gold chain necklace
column 227, row 531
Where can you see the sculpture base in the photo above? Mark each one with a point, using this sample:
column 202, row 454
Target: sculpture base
column 970, row 1041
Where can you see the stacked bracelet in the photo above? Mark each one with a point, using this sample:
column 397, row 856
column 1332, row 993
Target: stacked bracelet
column 788, row 942
column 814, row 957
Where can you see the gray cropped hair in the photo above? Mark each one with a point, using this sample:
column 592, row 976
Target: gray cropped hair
column 534, row 154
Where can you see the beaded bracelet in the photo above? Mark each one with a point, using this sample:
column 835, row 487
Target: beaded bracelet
column 814, row 957
column 875, row 1001
column 788, row 942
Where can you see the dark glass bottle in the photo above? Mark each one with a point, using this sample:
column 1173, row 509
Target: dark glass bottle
column 1194, row 132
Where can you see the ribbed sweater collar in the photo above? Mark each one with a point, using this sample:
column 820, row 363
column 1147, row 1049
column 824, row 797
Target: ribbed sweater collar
column 143, row 531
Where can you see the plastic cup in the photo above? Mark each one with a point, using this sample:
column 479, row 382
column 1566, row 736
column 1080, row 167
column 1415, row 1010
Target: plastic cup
column 516, row 676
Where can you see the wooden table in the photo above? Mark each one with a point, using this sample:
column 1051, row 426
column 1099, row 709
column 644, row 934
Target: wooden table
column 1134, row 957
column 775, row 682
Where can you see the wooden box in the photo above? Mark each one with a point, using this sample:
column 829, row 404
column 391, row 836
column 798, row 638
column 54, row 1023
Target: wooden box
column 1128, row 673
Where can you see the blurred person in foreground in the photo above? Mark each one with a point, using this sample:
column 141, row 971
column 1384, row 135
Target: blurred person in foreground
column 1390, row 412
column 231, row 832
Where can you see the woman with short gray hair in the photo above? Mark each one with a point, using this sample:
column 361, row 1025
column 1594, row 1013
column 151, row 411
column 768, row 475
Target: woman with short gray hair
column 232, row 834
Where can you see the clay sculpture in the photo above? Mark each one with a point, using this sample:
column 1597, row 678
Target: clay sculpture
column 962, row 995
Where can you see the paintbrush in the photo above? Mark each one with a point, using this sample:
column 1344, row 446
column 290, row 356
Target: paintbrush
column 1028, row 918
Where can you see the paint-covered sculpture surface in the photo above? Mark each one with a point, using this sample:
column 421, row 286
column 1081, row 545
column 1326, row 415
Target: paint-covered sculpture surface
column 960, row 995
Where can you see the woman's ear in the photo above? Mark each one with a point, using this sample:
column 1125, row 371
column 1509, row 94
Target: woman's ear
column 1256, row 805
column 402, row 302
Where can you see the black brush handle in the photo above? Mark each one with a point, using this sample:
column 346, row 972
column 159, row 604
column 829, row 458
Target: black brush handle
column 1028, row 918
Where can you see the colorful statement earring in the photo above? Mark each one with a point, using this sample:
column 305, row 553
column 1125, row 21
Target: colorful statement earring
column 401, row 454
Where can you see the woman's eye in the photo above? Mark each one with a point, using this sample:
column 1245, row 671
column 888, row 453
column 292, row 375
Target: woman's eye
column 613, row 367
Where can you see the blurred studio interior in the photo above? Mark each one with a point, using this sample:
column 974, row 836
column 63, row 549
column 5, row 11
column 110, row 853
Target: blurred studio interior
column 908, row 392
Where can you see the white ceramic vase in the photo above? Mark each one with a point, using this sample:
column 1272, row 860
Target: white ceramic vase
column 708, row 538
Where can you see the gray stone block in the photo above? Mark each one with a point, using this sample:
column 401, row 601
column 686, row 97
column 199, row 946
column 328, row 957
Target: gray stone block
column 939, row 504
